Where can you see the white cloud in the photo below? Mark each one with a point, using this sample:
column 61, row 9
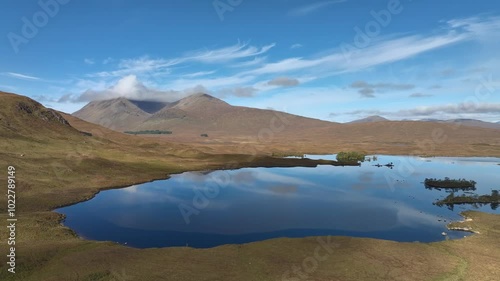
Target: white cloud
column 211, row 83
column 380, row 53
column 135, row 67
column 311, row 8
column 258, row 69
column 147, row 65
column 226, row 54
column 296, row 46
column 480, row 28
column 89, row 61
column 396, row 50
column 254, row 62
column 130, row 87
column 198, row 74
column 352, row 59
column 107, row 60
column 461, row 110
column 289, row 65
column 21, row 76
column 237, row 91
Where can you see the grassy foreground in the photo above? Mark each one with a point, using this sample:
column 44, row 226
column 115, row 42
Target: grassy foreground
column 59, row 165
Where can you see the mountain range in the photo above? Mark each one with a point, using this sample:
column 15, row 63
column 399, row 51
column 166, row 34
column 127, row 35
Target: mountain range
column 369, row 119
column 235, row 130
column 461, row 121
column 200, row 113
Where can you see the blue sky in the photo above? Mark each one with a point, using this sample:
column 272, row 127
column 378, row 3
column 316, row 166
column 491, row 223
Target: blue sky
column 334, row 60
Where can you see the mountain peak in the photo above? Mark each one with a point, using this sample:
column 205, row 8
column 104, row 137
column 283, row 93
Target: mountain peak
column 115, row 113
column 199, row 100
column 202, row 95
column 369, row 119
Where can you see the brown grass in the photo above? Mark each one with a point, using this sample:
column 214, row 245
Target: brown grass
column 57, row 165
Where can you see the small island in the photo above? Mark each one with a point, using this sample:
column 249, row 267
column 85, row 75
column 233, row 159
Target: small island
column 476, row 200
column 351, row 157
column 448, row 183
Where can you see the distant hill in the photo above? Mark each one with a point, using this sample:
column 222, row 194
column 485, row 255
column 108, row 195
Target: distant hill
column 117, row 114
column 462, row 122
column 204, row 114
column 199, row 113
column 475, row 123
column 26, row 126
column 369, row 119
column 23, row 117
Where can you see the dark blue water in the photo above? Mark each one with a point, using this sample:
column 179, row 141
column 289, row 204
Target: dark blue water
column 231, row 207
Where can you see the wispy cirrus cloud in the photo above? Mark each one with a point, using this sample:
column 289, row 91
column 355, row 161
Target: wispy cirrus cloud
column 255, row 62
column 21, row 76
column 379, row 52
column 199, row 74
column 480, row 27
column 136, row 66
column 89, row 61
column 238, row 51
column 448, row 110
column 147, row 65
column 243, row 70
column 313, row 7
column 130, row 87
column 211, row 83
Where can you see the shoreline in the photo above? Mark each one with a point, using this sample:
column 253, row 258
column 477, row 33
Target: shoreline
column 252, row 165
column 454, row 226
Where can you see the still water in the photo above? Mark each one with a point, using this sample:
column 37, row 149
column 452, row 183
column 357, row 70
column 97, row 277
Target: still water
column 207, row 209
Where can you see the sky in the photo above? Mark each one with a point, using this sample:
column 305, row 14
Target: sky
column 337, row 60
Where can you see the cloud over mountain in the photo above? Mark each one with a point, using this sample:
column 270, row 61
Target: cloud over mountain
column 131, row 88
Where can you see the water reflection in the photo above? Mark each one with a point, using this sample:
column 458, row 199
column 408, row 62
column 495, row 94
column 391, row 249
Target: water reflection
column 260, row 203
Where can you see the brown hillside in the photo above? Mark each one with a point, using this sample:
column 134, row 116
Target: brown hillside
column 22, row 117
column 196, row 114
column 117, row 114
